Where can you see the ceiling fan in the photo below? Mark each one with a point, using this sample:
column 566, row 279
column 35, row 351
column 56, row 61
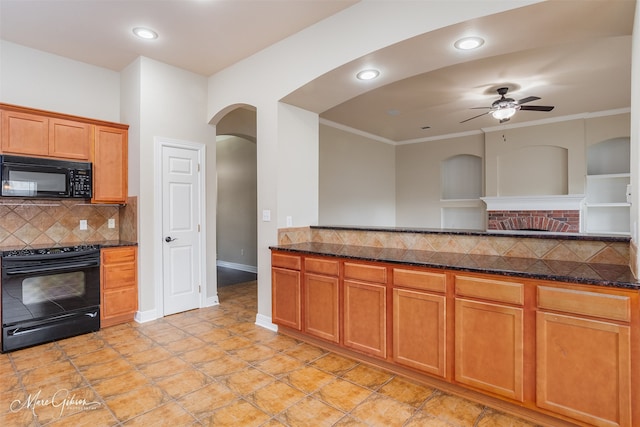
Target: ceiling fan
column 504, row 108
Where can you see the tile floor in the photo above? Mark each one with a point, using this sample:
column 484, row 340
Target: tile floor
column 214, row 367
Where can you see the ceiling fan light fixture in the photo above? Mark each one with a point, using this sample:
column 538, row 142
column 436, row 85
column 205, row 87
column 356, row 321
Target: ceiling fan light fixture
column 504, row 113
column 145, row 33
column 368, row 74
column 469, row 43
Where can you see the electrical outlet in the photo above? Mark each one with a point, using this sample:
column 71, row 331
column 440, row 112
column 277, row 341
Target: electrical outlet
column 83, row 224
column 111, row 223
column 289, row 221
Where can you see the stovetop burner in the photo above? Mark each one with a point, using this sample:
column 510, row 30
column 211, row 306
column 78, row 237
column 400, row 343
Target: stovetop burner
column 50, row 251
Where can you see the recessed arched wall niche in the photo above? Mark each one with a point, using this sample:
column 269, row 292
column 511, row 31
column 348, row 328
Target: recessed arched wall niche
column 533, row 171
column 462, row 177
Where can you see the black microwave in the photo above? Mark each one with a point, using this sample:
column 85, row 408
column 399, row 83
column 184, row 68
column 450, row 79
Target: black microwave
column 40, row 177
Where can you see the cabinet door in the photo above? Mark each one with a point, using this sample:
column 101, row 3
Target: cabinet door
column 365, row 318
column 584, row 369
column 109, row 157
column 285, row 298
column 321, row 294
column 419, row 330
column 118, row 285
column 24, row 133
column 489, row 347
column 69, row 139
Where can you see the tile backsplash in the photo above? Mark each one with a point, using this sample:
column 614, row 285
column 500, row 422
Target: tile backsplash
column 38, row 222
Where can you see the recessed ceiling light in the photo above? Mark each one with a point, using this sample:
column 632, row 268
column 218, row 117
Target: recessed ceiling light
column 368, row 74
column 145, row 33
column 468, row 43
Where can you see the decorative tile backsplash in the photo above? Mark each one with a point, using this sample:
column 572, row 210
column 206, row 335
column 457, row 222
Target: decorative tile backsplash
column 593, row 251
column 57, row 222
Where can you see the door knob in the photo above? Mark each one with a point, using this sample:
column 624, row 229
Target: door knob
column 169, row 239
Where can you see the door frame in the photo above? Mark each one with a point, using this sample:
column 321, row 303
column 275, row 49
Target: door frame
column 158, row 144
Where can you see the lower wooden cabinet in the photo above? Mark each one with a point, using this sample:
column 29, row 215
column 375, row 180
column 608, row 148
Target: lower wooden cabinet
column 365, row 318
column 419, row 331
column 322, row 307
column 286, row 298
column 118, row 285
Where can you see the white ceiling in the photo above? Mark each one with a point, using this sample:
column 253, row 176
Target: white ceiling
column 573, row 54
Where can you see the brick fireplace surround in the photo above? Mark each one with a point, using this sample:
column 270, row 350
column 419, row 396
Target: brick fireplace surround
column 558, row 221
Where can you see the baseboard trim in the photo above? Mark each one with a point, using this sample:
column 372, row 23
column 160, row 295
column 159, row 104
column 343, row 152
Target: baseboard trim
column 265, row 322
column 236, row 266
column 211, row 301
column 145, row 316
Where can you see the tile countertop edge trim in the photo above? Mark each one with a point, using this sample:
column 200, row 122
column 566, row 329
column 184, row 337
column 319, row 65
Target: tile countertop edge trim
column 511, row 273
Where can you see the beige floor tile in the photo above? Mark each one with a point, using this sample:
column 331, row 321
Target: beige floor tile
column 406, row 391
column 224, row 365
column 246, row 381
column 103, row 371
column 183, row 383
column 36, row 356
column 254, row 353
column 49, row 372
column 203, row 355
column 423, row 419
column 165, row 368
column 310, row 412
column 305, row 352
column 343, row 394
column 151, row 355
column 120, row 384
column 308, row 379
column 207, row 400
column 453, row 409
column 238, row 413
column 234, row 343
column 215, row 335
column 184, row 345
column 168, row 415
column 100, row 416
column 280, row 342
column 81, row 344
column 493, row 418
column 367, row 376
column 95, row 357
column 66, row 403
column 349, row 421
column 335, row 364
column 133, row 346
column 9, row 382
column 279, row 364
column 380, row 410
column 135, row 402
column 275, row 397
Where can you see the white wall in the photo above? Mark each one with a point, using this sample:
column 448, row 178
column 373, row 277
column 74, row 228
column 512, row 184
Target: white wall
column 635, row 133
column 357, row 180
column 32, row 78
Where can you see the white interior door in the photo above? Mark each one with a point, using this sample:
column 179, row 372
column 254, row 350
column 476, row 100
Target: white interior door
column 181, row 229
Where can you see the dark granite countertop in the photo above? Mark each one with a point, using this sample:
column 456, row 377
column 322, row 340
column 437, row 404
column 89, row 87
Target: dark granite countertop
column 493, row 233
column 610, row 275
column 102, row 244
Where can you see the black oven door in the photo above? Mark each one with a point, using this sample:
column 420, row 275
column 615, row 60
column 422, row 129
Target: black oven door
column 49, row 297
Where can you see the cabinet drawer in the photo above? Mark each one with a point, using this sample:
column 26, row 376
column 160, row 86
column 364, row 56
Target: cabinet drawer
column 614, row 307
column 425, row 280
column 291, row 262
column 322, row 266
column 120, row 275
column 366, row 272
column 118, row 255
column 119, row 302
column 494, row 290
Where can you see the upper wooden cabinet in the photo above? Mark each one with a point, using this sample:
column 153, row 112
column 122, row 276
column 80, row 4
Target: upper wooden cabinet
column 37, row 135
column 110, row 165
column 30, row 132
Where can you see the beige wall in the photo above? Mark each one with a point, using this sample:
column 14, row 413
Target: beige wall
column 357, row 179
column 236, row 220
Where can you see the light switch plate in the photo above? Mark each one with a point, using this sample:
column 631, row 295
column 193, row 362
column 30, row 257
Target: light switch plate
column 83, row 224
column 111, row 223
column 266, row 215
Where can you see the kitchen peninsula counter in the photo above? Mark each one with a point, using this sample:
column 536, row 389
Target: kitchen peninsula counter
column 610, row 275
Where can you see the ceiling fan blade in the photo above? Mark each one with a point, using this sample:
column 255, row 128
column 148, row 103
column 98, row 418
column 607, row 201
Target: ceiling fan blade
column 528, row 99
column 537, row 107
column 475, row 117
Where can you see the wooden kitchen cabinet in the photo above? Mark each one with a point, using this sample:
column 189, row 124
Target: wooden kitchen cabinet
column 118, row 285
column 37, row 135
column 286, row 291
column 584, row 356
column 365, row 308
column 322, row 298
column 419, row 320
column 489, row 335
column 109, row 156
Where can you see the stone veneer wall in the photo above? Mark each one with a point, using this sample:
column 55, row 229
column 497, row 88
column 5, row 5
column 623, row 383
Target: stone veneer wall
column 593, row 251
column 57, row 222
